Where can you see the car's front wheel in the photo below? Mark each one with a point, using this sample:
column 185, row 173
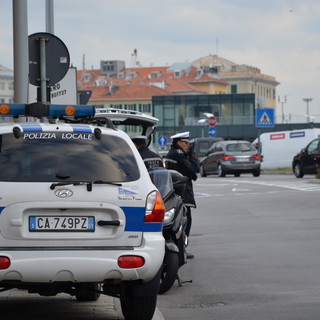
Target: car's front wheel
column 297, row 169
column 88, row 292
column 202, row 172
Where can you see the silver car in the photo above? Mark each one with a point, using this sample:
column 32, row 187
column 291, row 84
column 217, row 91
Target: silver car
column 231, row 157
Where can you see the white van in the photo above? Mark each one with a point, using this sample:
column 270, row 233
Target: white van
column 278, row 148
column 79, row 213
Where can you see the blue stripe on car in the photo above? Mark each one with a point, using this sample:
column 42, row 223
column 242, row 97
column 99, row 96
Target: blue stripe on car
column 81, row 128
column 31, row 127
column 135, row 220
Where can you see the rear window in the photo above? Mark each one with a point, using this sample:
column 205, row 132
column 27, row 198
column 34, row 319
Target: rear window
column 240, row 147
column 64, row 157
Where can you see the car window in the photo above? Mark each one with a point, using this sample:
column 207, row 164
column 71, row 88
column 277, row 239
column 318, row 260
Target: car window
column 203, row 147
column 240, row 147
column 56, row 158
column 313, row 146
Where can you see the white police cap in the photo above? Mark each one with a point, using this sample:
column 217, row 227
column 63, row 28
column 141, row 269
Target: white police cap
column 138, row 138
column 182, row 135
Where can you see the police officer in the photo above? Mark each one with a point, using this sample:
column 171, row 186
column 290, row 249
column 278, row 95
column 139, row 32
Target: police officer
column 150, row 158
column 182, row 159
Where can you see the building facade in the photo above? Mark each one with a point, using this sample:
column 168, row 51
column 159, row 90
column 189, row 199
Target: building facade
column 6, row 85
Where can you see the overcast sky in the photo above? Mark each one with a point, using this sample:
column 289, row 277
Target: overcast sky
column 280, row 37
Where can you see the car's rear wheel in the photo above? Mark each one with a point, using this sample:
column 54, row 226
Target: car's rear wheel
column 221, row 172
column 256, row 173
column 138, row 308
column 298, row 172
column 202, row 172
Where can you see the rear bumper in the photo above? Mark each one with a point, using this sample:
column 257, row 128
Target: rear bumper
column 240, row 167
column 82, row 265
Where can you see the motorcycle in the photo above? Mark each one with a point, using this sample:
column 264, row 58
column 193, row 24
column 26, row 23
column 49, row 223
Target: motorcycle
column 171, row 185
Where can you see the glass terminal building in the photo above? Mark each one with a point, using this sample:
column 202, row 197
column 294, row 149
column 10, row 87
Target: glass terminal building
column 235, row 115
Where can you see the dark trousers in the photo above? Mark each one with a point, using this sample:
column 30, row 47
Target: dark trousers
column 189, row 221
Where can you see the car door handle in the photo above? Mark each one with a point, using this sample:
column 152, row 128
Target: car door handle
column 103, row 223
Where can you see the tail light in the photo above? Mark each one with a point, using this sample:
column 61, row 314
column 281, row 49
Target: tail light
column 255, row 157
column 228, row 157
column 4, row 263
column 128, row 262
column 155, row 208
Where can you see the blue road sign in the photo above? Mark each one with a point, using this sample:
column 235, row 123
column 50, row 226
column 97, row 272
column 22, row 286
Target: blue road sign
column 264, row 118
column 162, row 140
column 212, row 132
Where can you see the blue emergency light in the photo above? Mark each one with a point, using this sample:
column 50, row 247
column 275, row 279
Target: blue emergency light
column 39, row 110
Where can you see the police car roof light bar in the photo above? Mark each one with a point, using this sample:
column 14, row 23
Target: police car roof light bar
column 39, row 110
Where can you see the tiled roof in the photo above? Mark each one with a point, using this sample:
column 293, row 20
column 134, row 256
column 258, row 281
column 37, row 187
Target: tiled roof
column 143, row 83
column 133, row 92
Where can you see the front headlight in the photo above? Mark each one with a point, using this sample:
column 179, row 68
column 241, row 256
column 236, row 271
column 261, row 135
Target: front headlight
column 169, row 215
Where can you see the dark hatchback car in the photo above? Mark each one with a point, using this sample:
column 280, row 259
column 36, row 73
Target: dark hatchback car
column 308, row 160
column 231, row 157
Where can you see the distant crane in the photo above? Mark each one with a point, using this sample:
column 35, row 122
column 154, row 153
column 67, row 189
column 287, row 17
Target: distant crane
column 134, row 58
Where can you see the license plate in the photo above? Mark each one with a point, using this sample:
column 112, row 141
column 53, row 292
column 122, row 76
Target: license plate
column 242, row 159
column 61, row 224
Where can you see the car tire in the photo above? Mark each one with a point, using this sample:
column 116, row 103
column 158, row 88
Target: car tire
column 202, row 172
column 221, row 172
column 137, row 308
column 237, row 174
column 297, row 170
column 256, row 173
column 88, row 292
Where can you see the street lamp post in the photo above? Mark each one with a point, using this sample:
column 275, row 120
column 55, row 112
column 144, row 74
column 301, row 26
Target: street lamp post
column 282, row 102
column 307, row 100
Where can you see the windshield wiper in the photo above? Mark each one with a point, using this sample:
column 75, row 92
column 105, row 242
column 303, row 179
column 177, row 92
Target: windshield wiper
column 87, row 183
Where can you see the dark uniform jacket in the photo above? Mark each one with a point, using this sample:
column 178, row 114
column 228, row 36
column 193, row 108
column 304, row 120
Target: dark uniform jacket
column 150, row 158
column 187, row 165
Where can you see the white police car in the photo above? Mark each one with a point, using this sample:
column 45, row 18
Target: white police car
column 78, row 211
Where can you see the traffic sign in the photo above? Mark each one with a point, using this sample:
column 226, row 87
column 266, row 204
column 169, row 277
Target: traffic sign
column 57, row 58
column 212, row 132
column 264, row 118
column 162, row 140
column 212, row 121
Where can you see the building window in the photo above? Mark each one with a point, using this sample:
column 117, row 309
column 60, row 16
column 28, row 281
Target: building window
column 234, row 89
column 131, row 106
column 146, row 107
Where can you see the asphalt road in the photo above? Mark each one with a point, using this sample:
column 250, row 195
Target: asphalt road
column 256, row 244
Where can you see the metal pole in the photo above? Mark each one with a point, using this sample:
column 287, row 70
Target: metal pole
column 43, row 71
column 282, row 102
column 20, row 50
column 307, row 100
column 49, row 17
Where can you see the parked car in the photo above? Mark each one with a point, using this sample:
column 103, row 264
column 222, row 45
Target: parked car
column 79, row 213
column 308, row 160
column 231, row 157
column 202, row 145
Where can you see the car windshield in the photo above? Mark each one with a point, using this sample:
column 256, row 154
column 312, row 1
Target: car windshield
column 56, row 157
column 161, row 178
column 240, row 147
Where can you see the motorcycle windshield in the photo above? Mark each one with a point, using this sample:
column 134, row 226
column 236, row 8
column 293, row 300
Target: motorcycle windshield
column 161, row 178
